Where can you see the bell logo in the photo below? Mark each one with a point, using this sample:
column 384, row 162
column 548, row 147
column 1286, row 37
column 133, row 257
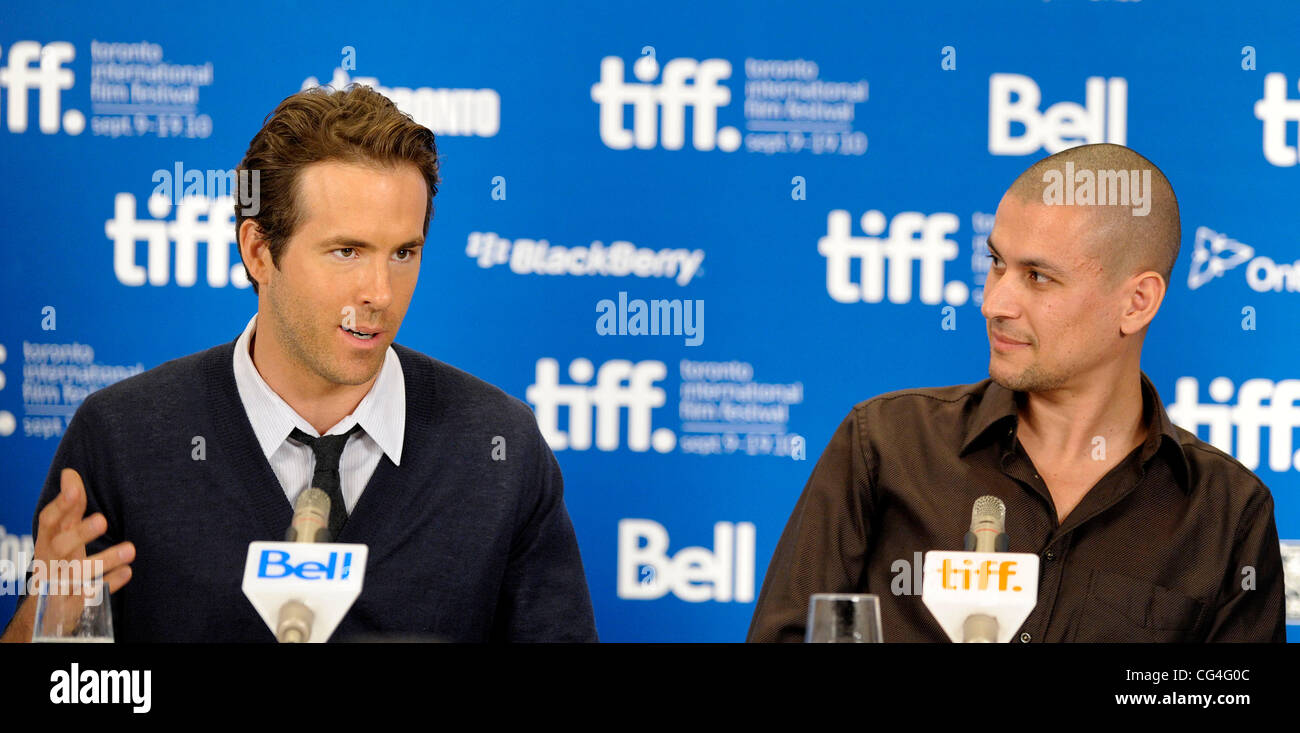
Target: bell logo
column 1102, row 118
column 694, row 574
column 278, row 564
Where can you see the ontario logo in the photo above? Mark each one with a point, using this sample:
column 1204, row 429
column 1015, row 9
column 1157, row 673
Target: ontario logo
column 1216, row 253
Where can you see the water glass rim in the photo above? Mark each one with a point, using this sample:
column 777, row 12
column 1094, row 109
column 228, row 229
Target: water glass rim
column 847, row 597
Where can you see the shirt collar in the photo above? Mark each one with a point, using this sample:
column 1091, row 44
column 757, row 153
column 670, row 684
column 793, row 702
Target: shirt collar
column 997, row 409
column 381, row 413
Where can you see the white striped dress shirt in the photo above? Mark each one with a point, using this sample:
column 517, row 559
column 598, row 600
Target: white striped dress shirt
column 381, row 413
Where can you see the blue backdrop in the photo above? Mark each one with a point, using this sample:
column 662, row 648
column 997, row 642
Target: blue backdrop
column 719, row 155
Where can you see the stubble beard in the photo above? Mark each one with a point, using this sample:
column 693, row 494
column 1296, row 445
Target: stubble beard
column 316, row 352
column 1032, row 378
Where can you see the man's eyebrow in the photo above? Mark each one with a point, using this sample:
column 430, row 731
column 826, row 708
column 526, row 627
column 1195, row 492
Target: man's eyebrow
column 343, row 241
column 1031, row 263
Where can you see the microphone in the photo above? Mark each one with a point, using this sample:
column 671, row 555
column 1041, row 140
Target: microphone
column 302, row 587
column 311, row 516
column 984, row 593
column 988, row 519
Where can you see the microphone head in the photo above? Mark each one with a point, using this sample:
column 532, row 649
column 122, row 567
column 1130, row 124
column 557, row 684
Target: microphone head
column 311, row 517
column 989, row 512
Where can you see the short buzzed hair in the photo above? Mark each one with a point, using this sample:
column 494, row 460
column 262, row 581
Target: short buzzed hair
column 1129, row 243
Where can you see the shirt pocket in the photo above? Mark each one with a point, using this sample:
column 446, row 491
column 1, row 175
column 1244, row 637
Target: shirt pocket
column 1120, row 608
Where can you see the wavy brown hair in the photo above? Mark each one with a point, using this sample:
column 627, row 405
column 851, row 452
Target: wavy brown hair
column 355, row 125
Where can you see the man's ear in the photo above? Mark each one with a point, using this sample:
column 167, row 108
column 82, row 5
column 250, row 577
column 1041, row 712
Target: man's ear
column 1144, row 300
column 255, row 251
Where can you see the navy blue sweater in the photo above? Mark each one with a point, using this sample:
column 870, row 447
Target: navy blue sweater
column 462, row 547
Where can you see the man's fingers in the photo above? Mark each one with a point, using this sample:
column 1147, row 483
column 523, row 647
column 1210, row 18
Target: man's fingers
column 117, row 578
column 72, row 492
column 50, row 519
column 68, row 542
column 114, row 557
column 64, row 533
column 67, row 508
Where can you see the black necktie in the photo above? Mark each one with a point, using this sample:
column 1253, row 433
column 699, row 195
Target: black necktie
column 328, row 449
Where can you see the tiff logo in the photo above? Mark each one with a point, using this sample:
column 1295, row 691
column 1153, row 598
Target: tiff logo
column 672, row 95
column 1250, row 415
column 954, row 578
column 619, row 384
column 49, row 79
column 1014, row 98
column 899, row 249
column 198, row 219
column 1275, row 111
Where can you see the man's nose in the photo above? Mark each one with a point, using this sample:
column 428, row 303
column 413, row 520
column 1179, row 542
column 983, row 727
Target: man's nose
column 377, row 291
column 999, row 298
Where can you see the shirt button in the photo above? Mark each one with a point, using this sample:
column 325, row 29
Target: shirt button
column 1050, row 555
column 1025, row 638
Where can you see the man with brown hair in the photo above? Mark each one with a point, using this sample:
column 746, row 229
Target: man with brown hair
column 1144, row 532
column 444, row 477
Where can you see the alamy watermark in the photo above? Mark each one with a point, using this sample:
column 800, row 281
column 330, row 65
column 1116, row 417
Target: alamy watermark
column 178, row 184
column 637, row 317
column 1087, row 187
column 58, row 577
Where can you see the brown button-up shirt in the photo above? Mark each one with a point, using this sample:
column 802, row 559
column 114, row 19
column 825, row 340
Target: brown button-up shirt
column 1176, row 543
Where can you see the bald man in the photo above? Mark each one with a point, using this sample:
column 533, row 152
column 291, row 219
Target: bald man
column 1144, row 532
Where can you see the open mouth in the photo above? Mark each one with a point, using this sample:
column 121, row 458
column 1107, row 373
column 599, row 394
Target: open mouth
column 361, row 335
column 358, row 334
